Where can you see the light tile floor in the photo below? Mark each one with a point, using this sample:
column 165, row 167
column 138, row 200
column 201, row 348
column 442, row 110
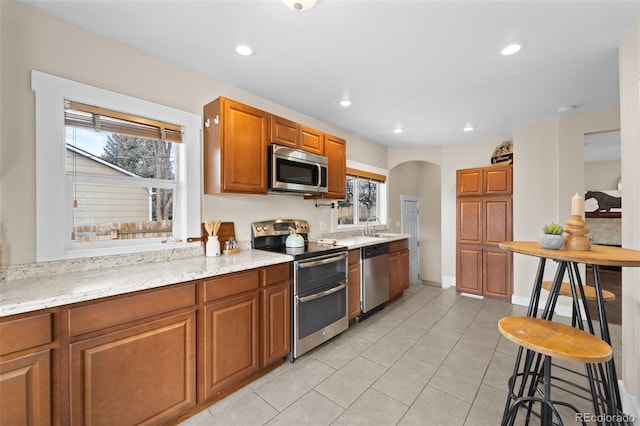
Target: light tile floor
column 433, row 357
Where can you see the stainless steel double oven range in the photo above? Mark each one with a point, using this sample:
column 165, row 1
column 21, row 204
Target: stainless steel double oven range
column 318, row 280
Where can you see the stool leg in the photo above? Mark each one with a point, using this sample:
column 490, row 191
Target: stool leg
column 546, row 415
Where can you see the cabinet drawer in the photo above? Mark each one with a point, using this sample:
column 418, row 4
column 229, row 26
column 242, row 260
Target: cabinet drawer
column 227, row 285
column 84, row 319
column 25, row 333
column 354, row 256
column 276, row 274
column 398, row 245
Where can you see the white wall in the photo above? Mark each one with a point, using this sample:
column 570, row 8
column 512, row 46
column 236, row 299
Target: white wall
column 630, row 132
column 420, row 179
column 32, row 40
column 602, row 175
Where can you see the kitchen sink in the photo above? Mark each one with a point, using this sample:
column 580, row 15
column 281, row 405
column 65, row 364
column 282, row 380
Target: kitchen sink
column 387, row 235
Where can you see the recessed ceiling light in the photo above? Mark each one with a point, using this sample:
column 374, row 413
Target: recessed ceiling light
column 299, row 5
column 398, row 130
column 511, row 48
column 345, row 103
column 567, row 108
column 244, row 50
column 468, row 127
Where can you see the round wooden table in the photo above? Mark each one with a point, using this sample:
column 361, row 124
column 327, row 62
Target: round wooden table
column 568, row 261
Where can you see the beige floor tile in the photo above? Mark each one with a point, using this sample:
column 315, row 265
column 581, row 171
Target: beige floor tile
column 480, row 347
column 500, row 370
column 373, row 408
column 351, row 381
column 337, row 353
column 288, row 387
column 487, row 407
column 405, row 379
column 459, row 376
column 311, row 409
column 433, row 347
column 248, row 411
column 436, row 408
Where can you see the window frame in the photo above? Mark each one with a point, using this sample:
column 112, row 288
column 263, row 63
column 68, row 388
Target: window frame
column 382, row 202
column 52, row 218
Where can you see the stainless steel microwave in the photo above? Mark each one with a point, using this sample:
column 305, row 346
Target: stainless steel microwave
column 294, row 170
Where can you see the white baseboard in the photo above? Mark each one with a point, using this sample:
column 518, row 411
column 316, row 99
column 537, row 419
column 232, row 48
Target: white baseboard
column 630, row 402
column 563, row 311
column 448, row 281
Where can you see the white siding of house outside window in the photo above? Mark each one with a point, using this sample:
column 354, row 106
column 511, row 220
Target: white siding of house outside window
column 52, row 219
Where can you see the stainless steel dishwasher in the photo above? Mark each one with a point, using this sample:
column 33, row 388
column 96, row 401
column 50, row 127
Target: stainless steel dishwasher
column 374, row 279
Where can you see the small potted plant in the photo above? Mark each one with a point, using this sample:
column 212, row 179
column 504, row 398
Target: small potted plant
column 552, row 236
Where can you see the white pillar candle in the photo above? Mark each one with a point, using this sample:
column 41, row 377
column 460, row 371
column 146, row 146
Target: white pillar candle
column 576, row 205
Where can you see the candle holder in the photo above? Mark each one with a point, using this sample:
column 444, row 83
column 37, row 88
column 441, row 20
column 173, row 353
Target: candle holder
column 577, row 229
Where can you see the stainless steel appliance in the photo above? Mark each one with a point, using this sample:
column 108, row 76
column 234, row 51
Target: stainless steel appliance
column 294, row 170
column 318, row 281
column 374, row 279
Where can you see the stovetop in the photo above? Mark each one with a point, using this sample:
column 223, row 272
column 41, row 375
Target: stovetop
column 308, row 251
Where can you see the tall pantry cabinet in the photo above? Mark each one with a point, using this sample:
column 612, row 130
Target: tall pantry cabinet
column 484, row 219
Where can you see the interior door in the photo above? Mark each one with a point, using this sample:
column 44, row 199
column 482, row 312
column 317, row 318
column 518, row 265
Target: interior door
column 410, row 217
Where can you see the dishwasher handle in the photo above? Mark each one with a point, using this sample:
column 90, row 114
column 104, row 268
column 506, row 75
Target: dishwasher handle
column 374, row 250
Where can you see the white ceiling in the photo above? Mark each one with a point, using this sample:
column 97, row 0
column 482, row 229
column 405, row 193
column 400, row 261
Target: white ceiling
column 428, row 66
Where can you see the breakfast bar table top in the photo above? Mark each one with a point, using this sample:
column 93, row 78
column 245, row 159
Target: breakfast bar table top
column 598, row 255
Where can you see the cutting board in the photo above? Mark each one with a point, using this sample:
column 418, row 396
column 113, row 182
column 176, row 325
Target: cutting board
column 226, row 230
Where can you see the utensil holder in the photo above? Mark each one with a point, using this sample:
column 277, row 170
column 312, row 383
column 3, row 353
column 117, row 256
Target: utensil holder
column 212, row 248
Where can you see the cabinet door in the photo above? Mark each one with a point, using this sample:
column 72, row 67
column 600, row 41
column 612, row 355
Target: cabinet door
column 25, row 387
column 284, row 132
column 497, row 219
column 469, row 222
column 469, row 182
column 336, row 152
column 394, row 275
column 469, row 269
column 231, row 341
column 243, row 150
column 145, row 374
column 354, row 290
column 275, row 302
column 497, row 180
column 404, row 270
column 311, row 140
column 497, row 273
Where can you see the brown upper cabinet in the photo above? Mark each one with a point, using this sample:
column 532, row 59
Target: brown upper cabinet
column 284, row 132
column 311, row 140
column 236, row 144
column 494, row 180
column 236, row 138
column 336, row 152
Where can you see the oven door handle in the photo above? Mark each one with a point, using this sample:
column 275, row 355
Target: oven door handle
column 322, row 294
column 322, row 261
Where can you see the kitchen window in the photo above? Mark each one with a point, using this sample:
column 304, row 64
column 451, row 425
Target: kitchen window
column 115, row 174
column 365, row 200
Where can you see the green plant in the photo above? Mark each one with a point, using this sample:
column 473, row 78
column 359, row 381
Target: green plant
column 553, row 229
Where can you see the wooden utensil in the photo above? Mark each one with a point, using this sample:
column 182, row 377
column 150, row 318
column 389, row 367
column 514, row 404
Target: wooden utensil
column 208, row 225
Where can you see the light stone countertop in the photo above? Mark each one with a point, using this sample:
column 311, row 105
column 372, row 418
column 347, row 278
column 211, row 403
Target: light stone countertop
column 359, row 241
column 51, row 290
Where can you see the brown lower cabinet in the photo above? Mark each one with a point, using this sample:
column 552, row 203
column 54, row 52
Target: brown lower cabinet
column 398, row 267
column 143, row 358
column 26, row 346
column 353, row 278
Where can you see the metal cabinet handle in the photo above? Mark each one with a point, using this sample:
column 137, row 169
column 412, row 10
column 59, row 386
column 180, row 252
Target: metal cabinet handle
column 322, row 294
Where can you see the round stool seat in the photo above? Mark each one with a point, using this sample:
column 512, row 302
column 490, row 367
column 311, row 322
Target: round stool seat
column 555, row 339
column 589, row 291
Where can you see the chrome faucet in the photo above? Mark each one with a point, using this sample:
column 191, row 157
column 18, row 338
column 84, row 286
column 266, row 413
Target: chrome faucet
column 370, row 219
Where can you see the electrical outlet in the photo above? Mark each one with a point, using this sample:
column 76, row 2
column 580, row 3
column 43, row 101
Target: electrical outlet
column 323, row 226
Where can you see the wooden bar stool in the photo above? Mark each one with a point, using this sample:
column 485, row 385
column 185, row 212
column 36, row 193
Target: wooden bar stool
column 589, row 291
column 585, row 293
column 551, row 340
